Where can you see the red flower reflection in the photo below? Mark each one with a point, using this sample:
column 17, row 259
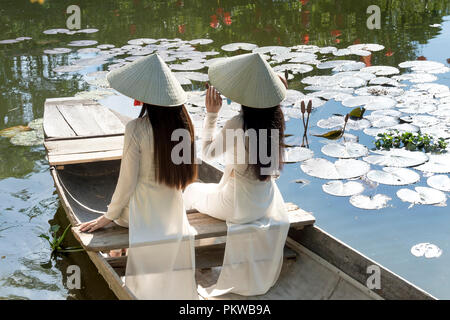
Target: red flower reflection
column 181, row 28
column 421, row 58
column 214, row 22
column 336, row 33
column 389, row 53
column 304, row 2
column 306, row 39
column 227, row 18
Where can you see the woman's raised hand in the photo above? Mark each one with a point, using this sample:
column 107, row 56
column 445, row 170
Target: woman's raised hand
column 213, row 100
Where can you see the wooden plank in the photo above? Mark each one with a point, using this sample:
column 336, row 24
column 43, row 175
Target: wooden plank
column 205, row 257
column 111, row 277
column 80, row 119
column 62, row 159
column 54, row 123
column 106, row 120
column 61, row 147
column 204, row 226
column 393, row 287
column 68, row 101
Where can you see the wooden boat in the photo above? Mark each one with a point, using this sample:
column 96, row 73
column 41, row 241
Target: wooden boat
column 84, row 143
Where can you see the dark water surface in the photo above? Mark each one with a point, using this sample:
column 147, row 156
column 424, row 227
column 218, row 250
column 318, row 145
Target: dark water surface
column 29, row 204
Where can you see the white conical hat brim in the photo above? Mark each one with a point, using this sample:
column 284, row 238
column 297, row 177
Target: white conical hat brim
column 149, row 80
column 248, row 80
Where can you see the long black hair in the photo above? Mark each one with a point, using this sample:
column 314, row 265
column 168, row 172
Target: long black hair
column 164, row 121
column 267, row 118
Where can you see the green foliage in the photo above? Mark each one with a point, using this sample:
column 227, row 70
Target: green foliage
column 410, row 141
column 55, row 241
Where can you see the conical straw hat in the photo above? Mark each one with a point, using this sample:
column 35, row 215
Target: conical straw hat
column 248, row 80
column 149, row 80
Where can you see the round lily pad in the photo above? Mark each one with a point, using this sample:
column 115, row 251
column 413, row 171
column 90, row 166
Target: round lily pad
column 438, row 163
column 398, row 158
column 345, row 150
column 422, row 195
column 297, row 154
column 239, row 46
column 393, row 176
column 341, row 169
column 378, row 201
column 340, row 189
column 439, row 182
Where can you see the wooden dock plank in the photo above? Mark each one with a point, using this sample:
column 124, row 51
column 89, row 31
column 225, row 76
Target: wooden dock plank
column 65, row 147
column 62, row 159
column 80, row 119
column 54, row 123
column 205, row 227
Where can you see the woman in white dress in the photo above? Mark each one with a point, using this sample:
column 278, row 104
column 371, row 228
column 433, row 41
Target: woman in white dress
column 148, row 196
column 247, row 197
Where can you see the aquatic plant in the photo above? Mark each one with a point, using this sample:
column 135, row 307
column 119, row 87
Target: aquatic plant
column 55, row 241
column 410, row 141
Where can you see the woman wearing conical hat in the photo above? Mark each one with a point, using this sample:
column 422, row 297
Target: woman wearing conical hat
column 247, row 197
column 148, row 197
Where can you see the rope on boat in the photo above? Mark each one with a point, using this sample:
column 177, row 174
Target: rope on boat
column 76, row 201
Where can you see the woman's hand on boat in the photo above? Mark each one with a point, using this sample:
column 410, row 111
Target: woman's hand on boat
column 95, row 224
column 213, row 100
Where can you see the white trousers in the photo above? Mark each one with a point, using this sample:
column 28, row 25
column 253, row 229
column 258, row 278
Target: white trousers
column 254, row 250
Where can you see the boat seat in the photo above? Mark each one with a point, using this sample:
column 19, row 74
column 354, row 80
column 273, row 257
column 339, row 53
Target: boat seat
column 116, row 237
column 205, row 257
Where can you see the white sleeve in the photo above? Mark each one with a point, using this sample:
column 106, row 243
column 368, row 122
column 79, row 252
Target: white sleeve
column 213, row 145
column 129, row 170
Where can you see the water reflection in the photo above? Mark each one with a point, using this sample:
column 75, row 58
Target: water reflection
column 27, row 200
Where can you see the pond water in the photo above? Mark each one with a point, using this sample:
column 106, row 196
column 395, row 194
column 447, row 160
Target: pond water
column 409, row 30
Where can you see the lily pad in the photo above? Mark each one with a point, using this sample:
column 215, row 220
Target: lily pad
column 439, row 182
column 438, row 163
column 345, row 150
column 425, row 66
column 82, row 43
column 57, row 51
column 422, row 195
column 297, row 154
column 381, row 70
column 398, row 158
column 28, row 138
column 11, row 132
column 377, row 202
column 239, row 46
column 393, row 176
column 339, row 189
column 370, row 102
column 341, row 169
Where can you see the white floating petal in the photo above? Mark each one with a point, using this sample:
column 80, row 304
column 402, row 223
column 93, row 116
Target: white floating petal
column 427, row 250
